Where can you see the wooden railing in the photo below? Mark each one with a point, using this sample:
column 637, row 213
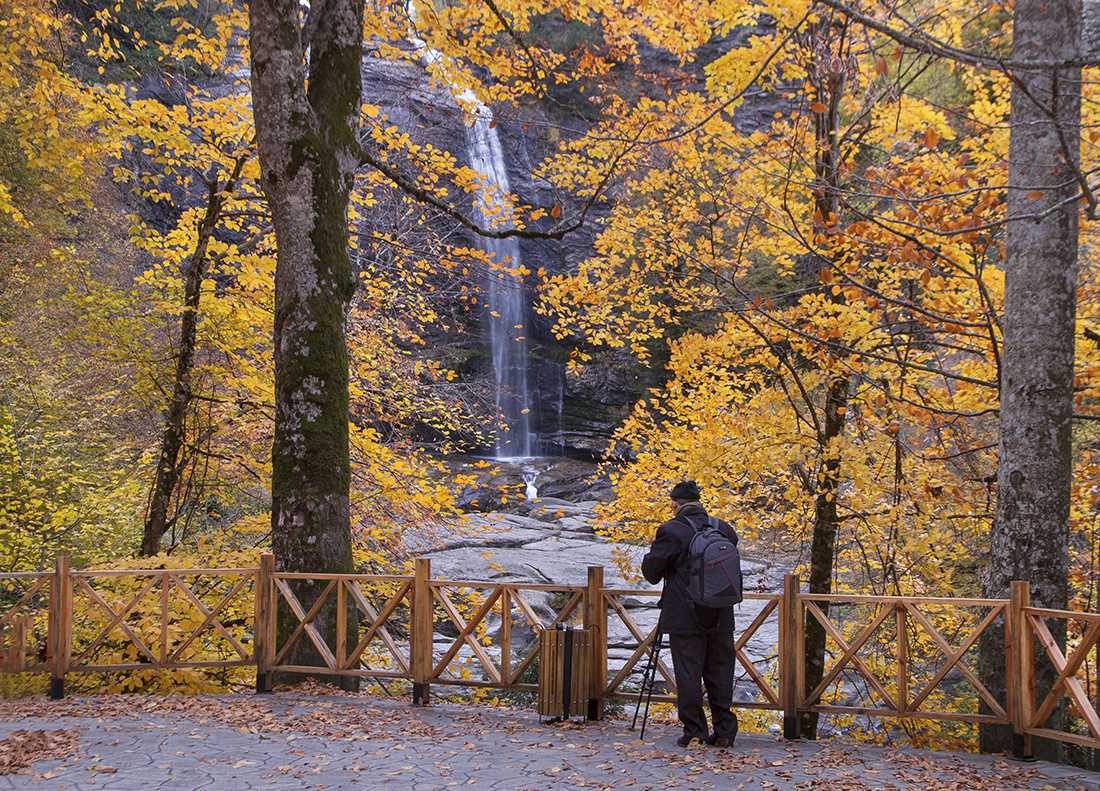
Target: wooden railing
column 899, row 657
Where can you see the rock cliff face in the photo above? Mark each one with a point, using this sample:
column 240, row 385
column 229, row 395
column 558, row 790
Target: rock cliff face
column 572, row 415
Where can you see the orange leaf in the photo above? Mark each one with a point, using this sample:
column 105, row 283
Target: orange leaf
column 493, row 124
column 881, row 66
column 1035, row 195
column 555, row 212
column 931, row 137
column 818, row 107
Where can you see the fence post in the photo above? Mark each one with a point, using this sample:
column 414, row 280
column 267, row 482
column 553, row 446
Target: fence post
column 1021, row 676
column 789, row 651
column 420, row 644
column 595, row 621
column 60, row 625
column 263, row 627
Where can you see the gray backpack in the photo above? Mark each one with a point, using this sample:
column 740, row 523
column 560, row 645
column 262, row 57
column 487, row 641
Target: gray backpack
column 713, row 566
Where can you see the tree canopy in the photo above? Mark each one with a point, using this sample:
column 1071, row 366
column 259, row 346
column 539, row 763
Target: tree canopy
column 806, row 220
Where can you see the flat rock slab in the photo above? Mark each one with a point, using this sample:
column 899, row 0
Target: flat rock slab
column 293, row 740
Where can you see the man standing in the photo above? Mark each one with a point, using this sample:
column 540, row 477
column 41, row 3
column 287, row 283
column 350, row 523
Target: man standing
column 701, row 638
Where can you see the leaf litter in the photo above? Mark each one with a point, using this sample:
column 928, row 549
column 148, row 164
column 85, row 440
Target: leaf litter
column 313, row 709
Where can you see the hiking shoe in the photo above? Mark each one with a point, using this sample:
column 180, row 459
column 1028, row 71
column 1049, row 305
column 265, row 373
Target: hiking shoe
column 714, row 741
column 688, row 741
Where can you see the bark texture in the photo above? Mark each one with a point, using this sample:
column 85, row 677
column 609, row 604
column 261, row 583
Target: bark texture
column 1029, row 539
column 309, row 152
column 827, row 75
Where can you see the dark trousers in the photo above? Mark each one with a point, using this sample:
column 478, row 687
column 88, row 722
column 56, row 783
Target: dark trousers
column 704, row 660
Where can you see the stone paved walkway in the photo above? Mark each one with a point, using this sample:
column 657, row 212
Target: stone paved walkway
column 296, row 741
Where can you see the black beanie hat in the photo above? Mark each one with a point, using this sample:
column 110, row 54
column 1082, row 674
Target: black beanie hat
column 685, row 490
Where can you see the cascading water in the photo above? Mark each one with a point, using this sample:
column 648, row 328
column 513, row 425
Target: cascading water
column 506, row 309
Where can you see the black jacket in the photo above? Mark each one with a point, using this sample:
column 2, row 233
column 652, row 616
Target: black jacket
column 665, row 560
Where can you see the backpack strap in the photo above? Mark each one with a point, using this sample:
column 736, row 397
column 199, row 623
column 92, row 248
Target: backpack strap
column 712, row 521
column 691, row 523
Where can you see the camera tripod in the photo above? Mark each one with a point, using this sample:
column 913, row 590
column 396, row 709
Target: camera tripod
column 649, row 680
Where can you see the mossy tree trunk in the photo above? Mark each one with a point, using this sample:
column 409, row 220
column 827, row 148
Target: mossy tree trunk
column 309, row 152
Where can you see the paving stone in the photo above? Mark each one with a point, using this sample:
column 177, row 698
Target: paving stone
column 295, row 741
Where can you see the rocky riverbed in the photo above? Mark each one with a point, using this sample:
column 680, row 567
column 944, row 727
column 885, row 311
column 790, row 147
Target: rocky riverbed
column 552, row 541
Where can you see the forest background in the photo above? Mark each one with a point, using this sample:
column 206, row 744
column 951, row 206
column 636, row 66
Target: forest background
column 824, row 296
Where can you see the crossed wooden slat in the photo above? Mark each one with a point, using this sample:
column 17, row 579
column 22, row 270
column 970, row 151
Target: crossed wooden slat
column 750, row 668
column 116, row 620
column 466, row 631
column 954, row 656
column 536, row 622
column 1067, row 671
column 849, row 656
column 6, row 618
column 211, row 616
column 644, row 642
column 166, row 578
column 467, row 628
column 377, row 627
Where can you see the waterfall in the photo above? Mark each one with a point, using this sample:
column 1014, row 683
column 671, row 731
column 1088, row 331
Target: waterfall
column 506, row 309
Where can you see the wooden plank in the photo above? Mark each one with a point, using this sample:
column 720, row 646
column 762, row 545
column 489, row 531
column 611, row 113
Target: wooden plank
column 60, row 637
column 483, row 585
column 902, row 658
column 341, row 624
column 506, row 635
column 304, row 575
column 1020, row 661
column 420, row 641
column 912, row 715
column 1068, row 615
column 165, row 584
column 788, row 656
column 595, row 624
column 891, row 600
column 91, row 574
column 263, row 646
column 1062, row 736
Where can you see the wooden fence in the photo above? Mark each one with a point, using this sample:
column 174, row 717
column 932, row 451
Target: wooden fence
column 902, row 657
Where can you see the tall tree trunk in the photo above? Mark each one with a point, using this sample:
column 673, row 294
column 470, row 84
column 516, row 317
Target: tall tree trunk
column 309, row 151
column 828, row 81
column 1029, row 539
column 169, row 465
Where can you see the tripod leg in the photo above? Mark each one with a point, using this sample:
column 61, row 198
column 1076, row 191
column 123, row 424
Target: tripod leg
column 647, row 675
column 652, row 682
